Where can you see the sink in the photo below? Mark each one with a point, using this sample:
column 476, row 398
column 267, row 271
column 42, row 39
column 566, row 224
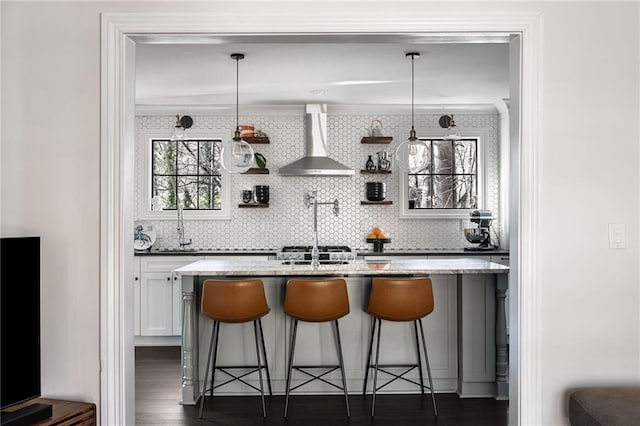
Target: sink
column 322, row 262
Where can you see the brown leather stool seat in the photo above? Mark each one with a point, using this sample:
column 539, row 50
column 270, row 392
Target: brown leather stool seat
column 399, row 299
column 235, row 301
column 316, row 300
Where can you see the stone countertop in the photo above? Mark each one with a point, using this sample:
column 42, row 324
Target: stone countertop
column 353, row 268
column 359, row 252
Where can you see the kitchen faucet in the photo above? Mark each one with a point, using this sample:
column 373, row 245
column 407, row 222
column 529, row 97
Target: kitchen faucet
column 311, row 199
column 181, row 240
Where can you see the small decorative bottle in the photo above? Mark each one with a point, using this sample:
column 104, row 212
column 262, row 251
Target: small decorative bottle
column 371, row 166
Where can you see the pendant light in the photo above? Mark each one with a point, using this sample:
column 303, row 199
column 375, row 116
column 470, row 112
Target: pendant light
column 182, row 124
column 451, row 130
column 411, row 154
column 237, row 154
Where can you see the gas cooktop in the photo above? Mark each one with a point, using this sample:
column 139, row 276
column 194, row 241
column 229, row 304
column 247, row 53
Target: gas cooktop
column 327, row 253
column 322, row 249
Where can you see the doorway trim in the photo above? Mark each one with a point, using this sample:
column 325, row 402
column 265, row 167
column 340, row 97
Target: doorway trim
column 117, row 398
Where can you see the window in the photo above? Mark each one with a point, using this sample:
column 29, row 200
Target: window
column 449, row 185
column 188, row 171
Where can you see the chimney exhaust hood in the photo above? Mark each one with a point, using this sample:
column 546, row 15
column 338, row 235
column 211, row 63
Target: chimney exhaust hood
column 316, row 162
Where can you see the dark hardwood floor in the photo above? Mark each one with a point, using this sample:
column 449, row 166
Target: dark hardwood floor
column 158, row 392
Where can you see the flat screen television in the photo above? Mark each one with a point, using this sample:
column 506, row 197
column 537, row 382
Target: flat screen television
column 19, row 320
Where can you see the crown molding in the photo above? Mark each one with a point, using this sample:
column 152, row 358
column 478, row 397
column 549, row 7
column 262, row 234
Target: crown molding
column 298, row 110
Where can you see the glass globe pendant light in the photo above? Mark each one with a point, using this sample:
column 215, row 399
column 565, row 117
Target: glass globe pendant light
column 237, row 154
column 411, row 154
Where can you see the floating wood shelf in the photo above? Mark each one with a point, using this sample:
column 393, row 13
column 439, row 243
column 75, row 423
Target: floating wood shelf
column 257, row 139
column 257, row 171
column 254, row 205
column 375, row 172
column 376, row 139
column 383, row 203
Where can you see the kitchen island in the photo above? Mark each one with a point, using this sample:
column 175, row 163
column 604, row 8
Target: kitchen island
column 452, row 273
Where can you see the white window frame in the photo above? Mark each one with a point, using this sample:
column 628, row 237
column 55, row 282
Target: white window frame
column 144, row 184
column 482, row 136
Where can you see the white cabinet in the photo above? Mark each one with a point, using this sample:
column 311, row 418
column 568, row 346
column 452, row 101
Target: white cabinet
column 158, row 299
column 136, row 296
column 156, row 309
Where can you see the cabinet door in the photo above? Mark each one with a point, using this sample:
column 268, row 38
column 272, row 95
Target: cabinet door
column 156, row 307
column 161, row 305
column 136, row 296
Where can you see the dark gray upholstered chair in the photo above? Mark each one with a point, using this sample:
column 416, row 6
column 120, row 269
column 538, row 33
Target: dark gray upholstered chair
column 605, row 406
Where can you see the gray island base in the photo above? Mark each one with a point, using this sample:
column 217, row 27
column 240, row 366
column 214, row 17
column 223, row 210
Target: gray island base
column 466, row 333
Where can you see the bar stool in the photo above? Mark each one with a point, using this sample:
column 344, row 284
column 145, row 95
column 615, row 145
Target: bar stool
column 399, row 299
column 317, row 300
column 235, row 301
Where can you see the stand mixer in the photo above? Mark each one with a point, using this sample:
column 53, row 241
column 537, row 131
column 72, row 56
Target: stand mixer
column 480, row 235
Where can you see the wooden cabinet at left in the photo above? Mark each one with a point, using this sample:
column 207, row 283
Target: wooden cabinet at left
column 65, row 413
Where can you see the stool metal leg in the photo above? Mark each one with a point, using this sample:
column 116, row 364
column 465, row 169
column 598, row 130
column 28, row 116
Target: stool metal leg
column 368, row 367
column 344, row 380
column 375, row 371
column 264, row 356
column 290, row 369
column 426, row 357
column 255, row 335
column 214, row 338
column 415, row 329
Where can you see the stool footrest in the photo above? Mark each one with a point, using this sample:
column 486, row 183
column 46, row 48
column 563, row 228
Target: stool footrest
column 328, row 368
column 239, row 378
column 409, row 367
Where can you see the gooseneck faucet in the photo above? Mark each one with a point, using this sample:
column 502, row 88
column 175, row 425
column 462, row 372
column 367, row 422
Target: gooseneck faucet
column 181, row 240
column 311, row 200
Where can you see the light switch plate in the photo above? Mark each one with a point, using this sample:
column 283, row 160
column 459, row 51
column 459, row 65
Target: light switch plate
column 617, row 237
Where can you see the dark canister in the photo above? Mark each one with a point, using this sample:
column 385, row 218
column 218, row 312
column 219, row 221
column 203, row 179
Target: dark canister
column 261, row 193
column 376, row 191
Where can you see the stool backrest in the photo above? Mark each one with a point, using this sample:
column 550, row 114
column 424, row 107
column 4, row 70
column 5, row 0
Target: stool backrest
column 316, row 300
column 234, row 300
column 401, row 299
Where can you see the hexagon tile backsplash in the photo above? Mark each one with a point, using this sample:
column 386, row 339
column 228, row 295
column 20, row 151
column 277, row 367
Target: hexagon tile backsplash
column 287, row 221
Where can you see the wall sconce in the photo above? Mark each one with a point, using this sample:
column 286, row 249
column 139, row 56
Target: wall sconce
column 179, row 130
column 451, row 130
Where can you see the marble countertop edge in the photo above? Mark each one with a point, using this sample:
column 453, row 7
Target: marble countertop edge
column 353, row 268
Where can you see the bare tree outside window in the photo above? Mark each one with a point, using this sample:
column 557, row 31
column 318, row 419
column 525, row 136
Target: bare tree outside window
column 449, row 180
column 188, row 172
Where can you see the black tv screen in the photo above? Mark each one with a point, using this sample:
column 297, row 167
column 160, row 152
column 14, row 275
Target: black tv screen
column 19, row 319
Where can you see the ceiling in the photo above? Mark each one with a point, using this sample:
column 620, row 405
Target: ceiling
column 332, row 69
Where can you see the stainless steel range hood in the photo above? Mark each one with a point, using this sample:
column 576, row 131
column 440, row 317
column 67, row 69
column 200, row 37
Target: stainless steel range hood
column 316, row 162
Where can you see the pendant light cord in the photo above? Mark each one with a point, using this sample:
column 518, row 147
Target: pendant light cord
column 237, row 57
column 412, row 88
column 412, row 134
column 237, row 80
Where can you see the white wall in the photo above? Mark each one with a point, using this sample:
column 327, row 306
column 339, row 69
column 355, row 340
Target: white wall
column 589, row 295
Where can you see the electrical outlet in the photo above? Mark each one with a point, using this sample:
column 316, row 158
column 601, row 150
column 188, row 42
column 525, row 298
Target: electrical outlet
column 617, row 237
